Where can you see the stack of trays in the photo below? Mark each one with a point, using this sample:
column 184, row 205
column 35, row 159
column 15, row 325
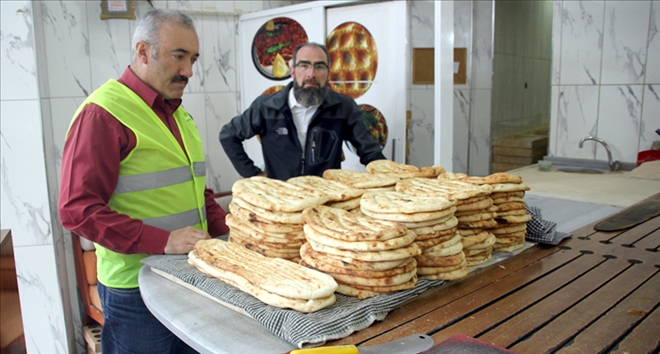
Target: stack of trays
column 266, row 216
column 365, row 256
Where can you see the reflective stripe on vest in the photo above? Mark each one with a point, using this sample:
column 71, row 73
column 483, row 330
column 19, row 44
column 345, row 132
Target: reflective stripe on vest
column 159, row 179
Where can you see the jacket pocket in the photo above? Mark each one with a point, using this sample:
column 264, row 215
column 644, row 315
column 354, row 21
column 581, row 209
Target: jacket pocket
column 322, row 145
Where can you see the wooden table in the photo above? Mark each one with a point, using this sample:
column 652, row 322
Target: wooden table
column 595, row 292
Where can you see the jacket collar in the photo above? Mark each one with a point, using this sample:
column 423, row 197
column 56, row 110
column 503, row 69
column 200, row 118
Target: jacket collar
column 279, row 100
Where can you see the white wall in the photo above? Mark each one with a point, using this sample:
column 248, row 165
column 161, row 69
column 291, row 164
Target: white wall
column 605, row 77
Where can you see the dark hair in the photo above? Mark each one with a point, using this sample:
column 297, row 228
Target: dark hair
column 311, row 44
column 149, row 27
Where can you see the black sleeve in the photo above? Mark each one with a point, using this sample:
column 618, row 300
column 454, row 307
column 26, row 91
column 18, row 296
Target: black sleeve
column 367, row 147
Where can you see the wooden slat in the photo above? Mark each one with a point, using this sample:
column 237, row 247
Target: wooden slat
column 465, row 305
column 574, row 320
column 638, row 232
column 645, row 335
column 606, row 331
column 650, row 242
column 554, row 305
column 434, row 298
column 533, row 292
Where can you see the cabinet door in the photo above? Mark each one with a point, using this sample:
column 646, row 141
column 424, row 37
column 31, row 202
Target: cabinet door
column 370, row 41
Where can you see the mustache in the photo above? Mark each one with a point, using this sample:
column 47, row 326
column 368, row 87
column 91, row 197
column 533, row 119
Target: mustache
column 312, row 80
column 179, row 78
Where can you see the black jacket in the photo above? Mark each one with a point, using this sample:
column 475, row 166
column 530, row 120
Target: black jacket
column 337, row 119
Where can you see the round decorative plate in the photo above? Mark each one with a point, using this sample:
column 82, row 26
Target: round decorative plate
column 273, row 45
column 353, row 59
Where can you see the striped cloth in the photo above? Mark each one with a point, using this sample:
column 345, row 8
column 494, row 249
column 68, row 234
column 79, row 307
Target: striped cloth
column 304, row 330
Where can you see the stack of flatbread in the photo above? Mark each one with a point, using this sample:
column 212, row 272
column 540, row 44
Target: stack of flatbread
column 274, row 281
column 362, row 180
column 400, row 170
column 266, row 216
column 367, row 257
column 433, row 222
column 340, row 195
column 474, row 212
column 512, row 216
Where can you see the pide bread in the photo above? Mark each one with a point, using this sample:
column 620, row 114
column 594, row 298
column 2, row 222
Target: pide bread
column 307, row 251
column 395, row 202
column 403, row 170
column 335, row 190
column 442, row 188
column 412, row 217
column 360, row 246
column 373, row 256
column 275, row 195
column 347, row 226
column 305, row 289
column 273, row 216
column 361, row 180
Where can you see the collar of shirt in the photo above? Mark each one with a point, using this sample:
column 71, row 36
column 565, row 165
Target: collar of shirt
column 147, row 94
column 301, row 117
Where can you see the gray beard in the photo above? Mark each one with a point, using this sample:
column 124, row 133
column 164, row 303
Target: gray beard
column 310, row 96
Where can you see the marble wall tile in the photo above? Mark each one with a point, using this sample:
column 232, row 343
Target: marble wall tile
column 220, row 109
column 461, row 130
column 25, row 205
column 421, row 130
column 480, row 146
column 248, row 6
column 482, row 45
column 619, row 121
column 41, row 302
column 557, row 22
column 65, row 26
column 18, row 52
column 653, row 53
column 554, row 115
column 109, row 46
column 577, row 117
column 625, row 40
column 422, row 24
column 581, row 42
column 194, row 105
column 61, row 113
column 650, row 117
column 218, row 51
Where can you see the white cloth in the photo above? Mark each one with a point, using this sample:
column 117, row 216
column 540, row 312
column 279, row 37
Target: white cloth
column 301, row 117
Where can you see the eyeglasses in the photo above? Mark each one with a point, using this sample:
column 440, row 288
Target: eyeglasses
column 319, row 67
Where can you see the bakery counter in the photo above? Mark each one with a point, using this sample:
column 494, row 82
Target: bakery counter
column 480, row 305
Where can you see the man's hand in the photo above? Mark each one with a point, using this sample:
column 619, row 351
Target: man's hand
column 182, row 241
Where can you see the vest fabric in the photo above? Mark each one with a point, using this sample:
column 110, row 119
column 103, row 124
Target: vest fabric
column 158, row 183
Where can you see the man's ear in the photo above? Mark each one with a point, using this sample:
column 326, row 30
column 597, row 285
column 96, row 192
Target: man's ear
column 142, row 52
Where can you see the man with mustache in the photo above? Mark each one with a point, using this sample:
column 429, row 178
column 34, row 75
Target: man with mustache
column 303, row 126
column 133, row 178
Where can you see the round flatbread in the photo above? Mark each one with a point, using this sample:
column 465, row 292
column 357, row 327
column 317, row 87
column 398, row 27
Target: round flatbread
column 374, row 256
column 403, row 170
column 261, row 223
column 360, row 179
column 276, row 195
column 441, row 188
column 400, row 203
column 272, row 216
column 343, row 225
column 360, row 246
column 413, row 217
column 350, row 263
column 335, row 190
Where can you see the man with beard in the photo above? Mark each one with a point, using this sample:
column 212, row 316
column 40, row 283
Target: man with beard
column 133, row 178
column 302, row 127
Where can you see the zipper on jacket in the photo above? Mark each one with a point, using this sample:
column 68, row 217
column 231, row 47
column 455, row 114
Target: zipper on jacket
column 313, row 148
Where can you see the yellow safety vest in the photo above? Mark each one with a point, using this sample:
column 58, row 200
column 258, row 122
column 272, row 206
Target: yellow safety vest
column 157, row 184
